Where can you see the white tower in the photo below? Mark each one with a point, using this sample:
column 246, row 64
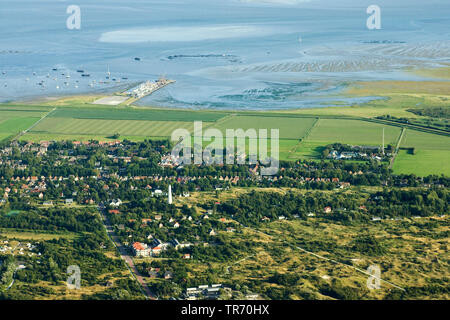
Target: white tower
column 169, row 198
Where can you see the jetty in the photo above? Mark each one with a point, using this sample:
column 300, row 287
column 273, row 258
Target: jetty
column 145, row 89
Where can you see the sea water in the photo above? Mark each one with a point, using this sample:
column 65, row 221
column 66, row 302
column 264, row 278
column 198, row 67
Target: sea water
column 233, row 54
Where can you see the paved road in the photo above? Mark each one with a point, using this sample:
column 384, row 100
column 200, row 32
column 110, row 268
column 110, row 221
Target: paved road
column 125, row 256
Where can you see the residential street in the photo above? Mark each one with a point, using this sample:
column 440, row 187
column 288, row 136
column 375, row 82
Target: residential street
column 125, row 256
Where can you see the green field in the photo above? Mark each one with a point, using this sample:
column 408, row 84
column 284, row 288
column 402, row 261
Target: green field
column 15, row 118
column 431, row 154
column 289, row 128
column 34, row 234
column 353, row 132
column 423, row 140
column 135, row 114
column 14, row 125
column 95, row 127
column 423, row 162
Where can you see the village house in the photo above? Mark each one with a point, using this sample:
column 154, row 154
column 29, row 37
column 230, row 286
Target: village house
column 140, row 249
column 115, row 203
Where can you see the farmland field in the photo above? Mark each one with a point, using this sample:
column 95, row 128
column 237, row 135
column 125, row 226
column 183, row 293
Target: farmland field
column 290, row 128
column 353, row 132
column 423, row 162
column 307, row 150
column 14, row 125
column 423, row 140
column 69, row 126
column 15, row 118
column 135, row 114
column 431, row 154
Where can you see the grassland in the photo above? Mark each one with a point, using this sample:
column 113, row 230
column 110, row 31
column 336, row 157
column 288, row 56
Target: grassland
column 352, row 132
column 135, row 114
column 14, row 119
column 96, row 127
column 290, row 128
column 276, row 252
column 34, row 235
column 431, row 154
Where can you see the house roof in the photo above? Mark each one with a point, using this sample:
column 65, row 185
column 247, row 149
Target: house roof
column 138, row 246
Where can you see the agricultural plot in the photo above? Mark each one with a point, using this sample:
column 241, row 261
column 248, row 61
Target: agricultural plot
column 307, row 150
column 14, row 125
column 424, row 140
column 353, row 132
column 290, row 128
column 431, row 154
column 13, row 121
column 422, row 163
column 97, row 127
column 135, row 114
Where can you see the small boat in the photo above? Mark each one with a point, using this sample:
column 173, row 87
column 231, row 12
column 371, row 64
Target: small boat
column 124, row 78
column 80, row 71
column 55, row 69
column 85, row 75
column 137, row 59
